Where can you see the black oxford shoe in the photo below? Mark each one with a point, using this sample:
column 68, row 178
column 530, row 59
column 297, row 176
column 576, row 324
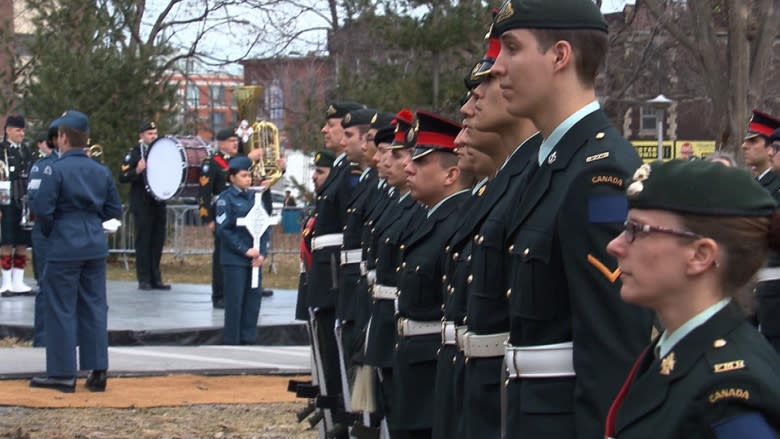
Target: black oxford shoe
column 161, row 286
column 96, row 381
column 67, row 385
column 146, row 286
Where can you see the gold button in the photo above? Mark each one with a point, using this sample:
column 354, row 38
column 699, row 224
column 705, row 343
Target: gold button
column 466, row 360
column 396, row 346
column 442, row 307
column 719, row 343
column 470, row 278
column 444, row 278
column 455, row 255
column 511, row 248
column 403, row 264
column 476, row 238
column 600, row 135
column 465, row 320
column 468, row 259
column 481, row 239
column 438, row 351
column 402, row 246
column 454, row 360
column 447, row 249
column 387, row 240
column 397, row 269
column 417, row 268
column 508, row 293
column 373, row 229
column 344, row 228
column 526, row 251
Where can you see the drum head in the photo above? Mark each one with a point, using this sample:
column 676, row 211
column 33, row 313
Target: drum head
column 165, row 166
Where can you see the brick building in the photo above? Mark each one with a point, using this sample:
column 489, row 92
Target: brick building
column 206, row 102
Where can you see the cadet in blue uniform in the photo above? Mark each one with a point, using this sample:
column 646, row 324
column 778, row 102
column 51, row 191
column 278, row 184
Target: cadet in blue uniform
column 436, row 182
column 149, row 213
column 684, row 254
column 75, row 197
column 571, row 337
column 16, row 158
column 48, row 148
column 238, row 257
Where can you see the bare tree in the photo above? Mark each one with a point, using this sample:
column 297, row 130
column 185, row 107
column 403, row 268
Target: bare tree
column 730, row 43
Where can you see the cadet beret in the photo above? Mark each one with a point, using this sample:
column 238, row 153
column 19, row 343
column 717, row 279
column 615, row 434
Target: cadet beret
column 431, row 132
column 384, row 135
column 761, row 124
column 72, row 119
column 240, row 163
column 324, row 158
column 775, row 135
column 146, row 126
column 14, row 120
column 361, row 116
column 402, row 122
column 699, row 187
column 340, row 109
column 382, row 119
column 41, row 136
column 226, row 133
column 548, row 14
column 482, row 69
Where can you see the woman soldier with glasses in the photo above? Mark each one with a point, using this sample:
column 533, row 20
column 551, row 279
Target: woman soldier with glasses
column 696, row 233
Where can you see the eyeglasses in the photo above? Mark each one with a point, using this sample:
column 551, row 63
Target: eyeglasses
column 633, row 227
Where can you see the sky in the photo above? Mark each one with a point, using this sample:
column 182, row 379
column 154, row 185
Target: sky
column 234, row 42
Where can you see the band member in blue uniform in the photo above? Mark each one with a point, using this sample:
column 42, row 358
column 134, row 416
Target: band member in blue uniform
column 75, row 197
column 684, row 254
column 149, row 215
column 15, row 158
column 40, row 245
column 571, row 337
column 238, row 257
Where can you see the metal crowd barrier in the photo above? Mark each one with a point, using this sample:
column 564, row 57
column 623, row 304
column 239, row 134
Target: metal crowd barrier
column 186, row 235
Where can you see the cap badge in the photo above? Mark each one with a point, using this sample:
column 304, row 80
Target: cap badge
column 505, row 12
column 152, row 125
column 317, row 157
column 481, row 191
column 667, row 364
column 375, row 117
column 640, row 175
column 348, row 118
column 331, row 110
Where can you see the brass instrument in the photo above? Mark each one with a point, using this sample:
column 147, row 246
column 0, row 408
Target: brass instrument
column 262, row 134
column 96, row 152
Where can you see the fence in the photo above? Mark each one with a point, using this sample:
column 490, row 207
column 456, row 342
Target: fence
column 186, row 235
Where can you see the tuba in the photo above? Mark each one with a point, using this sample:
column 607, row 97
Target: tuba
column 261, row 134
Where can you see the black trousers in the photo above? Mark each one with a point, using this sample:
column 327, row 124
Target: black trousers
column 217, row 288
column 150, row 223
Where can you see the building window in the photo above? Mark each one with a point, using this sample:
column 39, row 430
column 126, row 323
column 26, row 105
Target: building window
column 217, row 120
column 217, row 97
column 647, row 119
column 193, row 95
column 274, row 102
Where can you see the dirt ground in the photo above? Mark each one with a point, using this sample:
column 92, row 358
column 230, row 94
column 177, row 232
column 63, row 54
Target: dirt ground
column 241, row 421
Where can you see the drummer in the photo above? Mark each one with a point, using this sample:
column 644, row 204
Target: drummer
column 148, row 213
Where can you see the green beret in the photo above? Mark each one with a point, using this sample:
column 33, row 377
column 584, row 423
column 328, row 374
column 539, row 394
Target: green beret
column 548, row 14
column 361, row 116
column 698, row 187
column 226, row 133
column 382, row 120
column 340, row 109
column 41, row 136
column 324, row 158
column 385, row 135
column 146, row 126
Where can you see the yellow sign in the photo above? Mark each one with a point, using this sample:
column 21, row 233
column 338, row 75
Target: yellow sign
column 679, row 149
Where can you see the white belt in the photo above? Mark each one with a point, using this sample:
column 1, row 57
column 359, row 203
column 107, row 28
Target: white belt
column 408, row 328
column 546, row 361
column 384, row 292
column 484, row 346
column 351, row 256
column 329, row 240
column 448, row 336
column 768, row 273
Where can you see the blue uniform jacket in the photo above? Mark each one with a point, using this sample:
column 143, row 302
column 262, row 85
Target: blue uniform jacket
column 34, row 182
column 234, row 203
column 76, row 195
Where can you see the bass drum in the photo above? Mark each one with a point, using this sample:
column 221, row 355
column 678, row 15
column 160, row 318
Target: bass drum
column 173, row 166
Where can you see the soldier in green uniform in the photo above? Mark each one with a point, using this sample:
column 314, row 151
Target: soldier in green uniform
column 684, row 254
column 571, row 337
column 437, row 183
